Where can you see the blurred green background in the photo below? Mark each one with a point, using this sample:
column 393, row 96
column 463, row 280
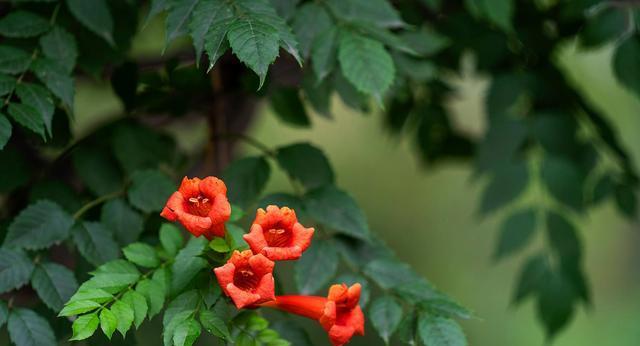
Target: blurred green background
column 427, row 214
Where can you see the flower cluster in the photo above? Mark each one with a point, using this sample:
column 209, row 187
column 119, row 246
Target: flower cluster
column 247, row 276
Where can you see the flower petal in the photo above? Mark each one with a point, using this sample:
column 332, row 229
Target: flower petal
column 224, row 274
column 261, row 265
column 255, row 238
column 190, row 187
column 220, row 210
column 282, row 253
column 302, row 236
column 240, row 297
column 211, row 187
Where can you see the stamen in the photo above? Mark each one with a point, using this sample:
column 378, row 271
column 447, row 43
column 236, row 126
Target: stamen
column 193, row 200
column 205, row 200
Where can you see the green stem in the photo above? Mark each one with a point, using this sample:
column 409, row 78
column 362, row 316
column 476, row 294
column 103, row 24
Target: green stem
column 96, row 202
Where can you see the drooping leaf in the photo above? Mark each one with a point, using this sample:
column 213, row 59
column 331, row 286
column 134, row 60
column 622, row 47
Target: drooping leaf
column 564, row 181
column 96, row 295
column 516, row 232
column 213, row 324
column 385, row 314
column 509, row 180
column 7, row 83
column 95, row 242
column 179, row 12
column 60, row 46
column 188, row 263
column 27, row 328
column 323, row 53
column 125, row 223
column 425, row 41
column 287, row 105
column 170, row 238
column 337, row 210
column 22, row 24
column 306, row 163
column 150, row 190
column 245, row 179
column 54, row 283
column 209, row 26
column 95, row 15
column 155, row 8
column 5, row 130
column 498, row 12
column 604, row 26
column 113, row 276
column 84, row 326
column 138, row 303
column 78, row 307
column 555, row 304
column 138, row 148
column 108, row 322
column 563, row 238
column 316, row 267
column 40, row 225
column 625, row 63
column 124, row 315
column 393, row 274
column 141, row 254
column 439, row 330
column 39, row 99
column 15, row 269
column 56, row 79
column 531, row 278
column 184, row 303
column 172, row 324
column 310, row 20
column 187, row 332
column 255, row 43
column 154, row 291
column 365, row 63
column 28, row 117
column 13, row 60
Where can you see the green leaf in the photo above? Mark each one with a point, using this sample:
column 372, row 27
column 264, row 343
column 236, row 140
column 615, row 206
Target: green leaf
column 515, row 233
column 255, row 43
column 5, row 131
column 84, row 326
column 292, row 332
column 530, row 278
column 509, row 180
column 316, row 267
column 626, row 200
column 172, row 324
column 365, row 63
column 563, row 238
column 154, row 292
column 39, row 99
column 108, row 322
column 564, row 180
column 59, row 45
column 604, row 26
column 138, row 302
column 425, row 41
column 7, row 83
column 188, row 263
column 393, row 274
column 95, row 15
column 16, row 170
column 97, row 169
column 306, row 163
column 54, row 283
column 114, row 275
column 15, row 269
column 337, row 210
column 183, row 305
column 219, row 245
column 186, row 333
column 171, row 238
column 137, row 147
column 386, row 37
column 26, row 328
column 55, row 191
column 288, row 107
column 379, row 12
column 4, row 313
column 439, row 330
column 179, row 12
column 245, row 179
column 56, row 79
column 236, row 213
column 22, row 24
column 141, row 254
column 125, row 223
column 625, row 63
column 95, row 242
column 38, row 226
column 323, row 53
column 208, row 28
column 555, row 304
column 155, row 8
column 385, row 314
column 13, row 60
column 213, row 324
column 28, row 117
column 446, row 307
column 93, row 294
column 78, row 307
column 309, row 21
column 150, row 190
column 124, row 314
column 498, row 12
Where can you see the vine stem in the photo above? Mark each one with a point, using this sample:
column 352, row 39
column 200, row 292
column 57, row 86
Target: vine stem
column 96, row 202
